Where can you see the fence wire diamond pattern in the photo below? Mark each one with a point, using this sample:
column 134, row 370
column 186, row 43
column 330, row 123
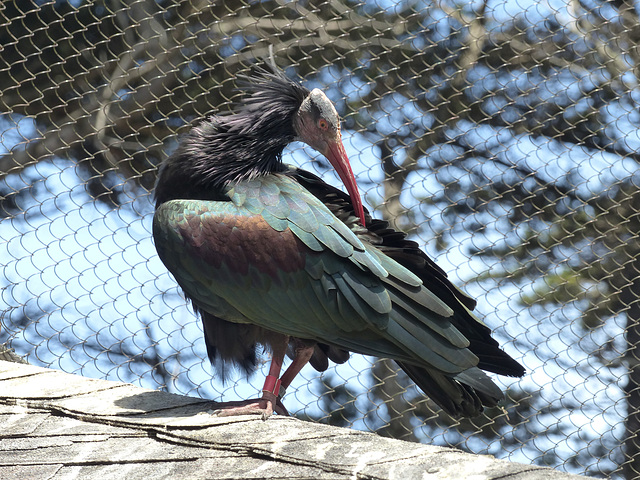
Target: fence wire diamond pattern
column 502, row 136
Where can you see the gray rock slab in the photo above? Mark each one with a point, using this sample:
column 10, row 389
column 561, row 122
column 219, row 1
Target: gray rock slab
column 55, row 425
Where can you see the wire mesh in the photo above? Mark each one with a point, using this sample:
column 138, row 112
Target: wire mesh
column 502, row 136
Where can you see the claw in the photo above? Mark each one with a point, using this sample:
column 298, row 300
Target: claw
column 264, row 406
column 274, row 385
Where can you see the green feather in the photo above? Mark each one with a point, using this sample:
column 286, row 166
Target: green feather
column 279, row 224
column 441, row 326
column 322, row 213
column 405, row 340
column 395, row 269
column 268, row 191
column 333, row 241
column 346, row 292
column 422, row 296
column 365, row 261
column 306, row 221
column 307, row 238
column 456, row 355
column 315, row 266
column 476, row 378
column 372, row 292
column 279, row 209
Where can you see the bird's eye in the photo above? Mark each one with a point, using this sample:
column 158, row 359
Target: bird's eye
column 323, row 124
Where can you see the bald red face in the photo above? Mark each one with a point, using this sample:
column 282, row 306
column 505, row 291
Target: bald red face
column 318, row 125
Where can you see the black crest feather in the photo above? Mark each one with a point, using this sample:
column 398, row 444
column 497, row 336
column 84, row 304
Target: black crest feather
column 270, row 95
column 238, row 145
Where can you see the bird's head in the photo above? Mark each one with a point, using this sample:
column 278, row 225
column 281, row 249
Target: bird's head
column 249, row 140
column 317, row 124
column 287, row 110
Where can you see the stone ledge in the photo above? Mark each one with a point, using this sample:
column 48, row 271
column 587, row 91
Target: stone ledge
column 54, row 425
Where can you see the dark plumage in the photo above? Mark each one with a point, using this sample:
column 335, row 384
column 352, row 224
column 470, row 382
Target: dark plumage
column 271, row 256
column 215, row 153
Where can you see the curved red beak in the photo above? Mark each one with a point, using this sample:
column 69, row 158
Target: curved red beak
column 338, row 158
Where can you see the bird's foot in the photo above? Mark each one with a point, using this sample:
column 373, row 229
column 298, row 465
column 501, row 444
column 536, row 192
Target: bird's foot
column 264, row 406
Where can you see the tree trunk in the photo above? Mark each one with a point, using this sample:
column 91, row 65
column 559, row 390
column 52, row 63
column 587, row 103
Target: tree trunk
column 630, row 296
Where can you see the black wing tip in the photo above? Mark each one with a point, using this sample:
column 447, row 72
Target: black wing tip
column 464, row 395
column 513, row 368
column 493, row 359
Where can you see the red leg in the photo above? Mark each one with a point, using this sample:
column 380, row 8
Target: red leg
column 269, row 402
column 302, row 355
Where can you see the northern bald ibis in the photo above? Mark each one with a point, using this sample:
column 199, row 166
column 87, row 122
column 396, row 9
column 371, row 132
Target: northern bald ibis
column 274, row 258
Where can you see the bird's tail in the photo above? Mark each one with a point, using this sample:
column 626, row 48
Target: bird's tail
column 462, row 395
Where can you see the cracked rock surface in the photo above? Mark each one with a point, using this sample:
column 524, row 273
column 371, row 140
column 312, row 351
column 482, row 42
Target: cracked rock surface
column 54, row 425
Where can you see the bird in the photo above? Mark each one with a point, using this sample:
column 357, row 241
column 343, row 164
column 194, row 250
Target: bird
column 274, row 260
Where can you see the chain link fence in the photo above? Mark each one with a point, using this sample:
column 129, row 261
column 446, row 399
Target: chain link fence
column 502, row 136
